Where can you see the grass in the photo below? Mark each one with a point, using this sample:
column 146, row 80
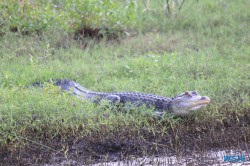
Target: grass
column 203, row 47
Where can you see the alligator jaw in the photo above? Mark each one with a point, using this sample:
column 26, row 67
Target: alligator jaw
column 200, row 103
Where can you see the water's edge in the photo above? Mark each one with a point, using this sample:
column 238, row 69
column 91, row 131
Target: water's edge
column 213, row 157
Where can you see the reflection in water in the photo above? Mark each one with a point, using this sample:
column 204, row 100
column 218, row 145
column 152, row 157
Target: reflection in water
column 205, row 158
column 213, row 157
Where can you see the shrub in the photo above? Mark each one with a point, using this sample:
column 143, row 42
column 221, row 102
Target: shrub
column 71, row 15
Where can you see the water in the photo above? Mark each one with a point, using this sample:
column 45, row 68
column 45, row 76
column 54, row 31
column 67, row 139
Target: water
column 206, row 158
column 213, row 157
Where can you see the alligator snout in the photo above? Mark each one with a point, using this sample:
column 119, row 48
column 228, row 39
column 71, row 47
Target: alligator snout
column 204, row 98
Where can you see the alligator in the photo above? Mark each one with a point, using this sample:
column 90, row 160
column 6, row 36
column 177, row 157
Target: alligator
column 182, row 104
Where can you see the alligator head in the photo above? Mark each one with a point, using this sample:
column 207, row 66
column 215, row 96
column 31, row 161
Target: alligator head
column 189, row 101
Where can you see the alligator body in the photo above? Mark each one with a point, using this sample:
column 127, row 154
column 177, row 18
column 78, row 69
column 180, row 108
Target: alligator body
column 182, row 104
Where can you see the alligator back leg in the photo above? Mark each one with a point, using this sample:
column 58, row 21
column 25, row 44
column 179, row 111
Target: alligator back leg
column 110, row 102
column 113, row 99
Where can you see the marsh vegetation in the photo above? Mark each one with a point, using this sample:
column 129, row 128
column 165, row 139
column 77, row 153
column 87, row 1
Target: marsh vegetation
column 197, row 45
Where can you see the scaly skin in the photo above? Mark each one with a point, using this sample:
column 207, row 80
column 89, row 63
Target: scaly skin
column 182, row 104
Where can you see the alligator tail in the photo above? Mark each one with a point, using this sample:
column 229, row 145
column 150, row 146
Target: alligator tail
column 70, row 85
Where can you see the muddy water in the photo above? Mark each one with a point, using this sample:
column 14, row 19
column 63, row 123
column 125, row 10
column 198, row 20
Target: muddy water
column 214, row 157
column 207, row 158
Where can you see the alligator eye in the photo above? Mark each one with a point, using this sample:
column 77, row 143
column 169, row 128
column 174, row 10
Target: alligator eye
column 194, row 93
column 187, row 94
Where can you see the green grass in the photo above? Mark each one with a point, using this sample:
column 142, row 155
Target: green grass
column 203, row 47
